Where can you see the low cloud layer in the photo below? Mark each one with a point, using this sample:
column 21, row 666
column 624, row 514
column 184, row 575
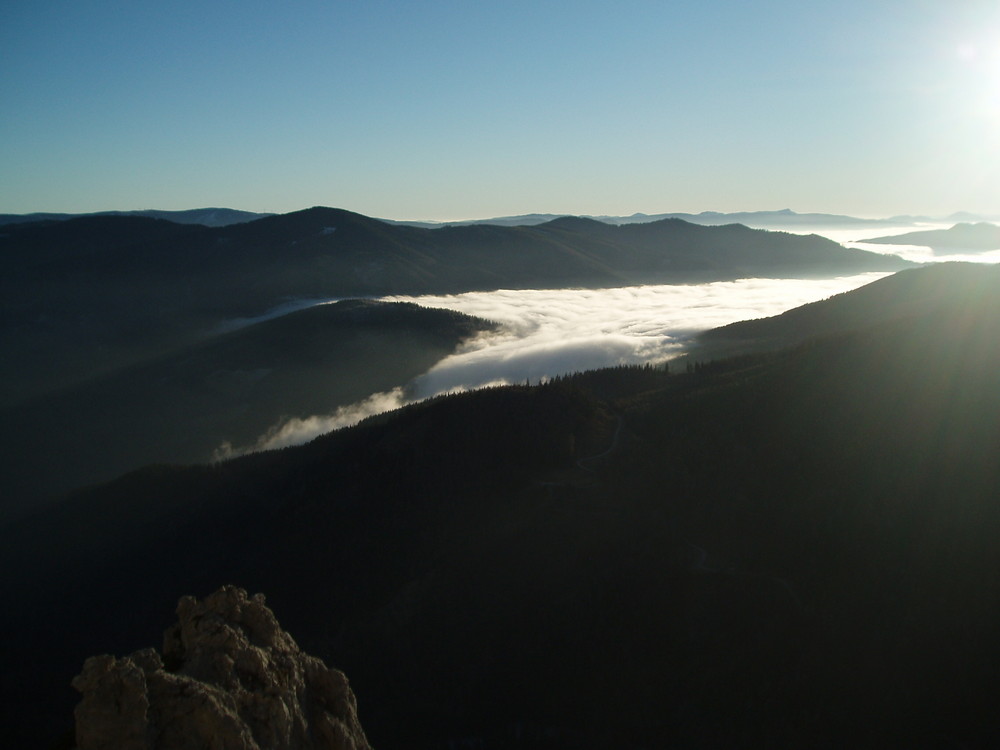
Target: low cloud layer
column 545, row 333
column 296, row 431
column 552, row 332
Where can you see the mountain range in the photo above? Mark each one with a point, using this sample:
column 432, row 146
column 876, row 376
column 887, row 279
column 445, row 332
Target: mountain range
column 781, row 219
column 900, row 296
column 787, row 548
column 84, row 297
column 210, row 217
column 229, row 388
column 777, row 220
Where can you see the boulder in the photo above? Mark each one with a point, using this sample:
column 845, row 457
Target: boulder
column 229, row 679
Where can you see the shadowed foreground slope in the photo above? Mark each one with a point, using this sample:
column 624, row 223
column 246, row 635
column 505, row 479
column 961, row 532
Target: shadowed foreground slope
column 790, row 550
column 230, row 388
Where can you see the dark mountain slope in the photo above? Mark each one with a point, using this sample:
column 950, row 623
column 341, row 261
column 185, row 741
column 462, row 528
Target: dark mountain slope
column 351, row 526
column 788, row 550
column 230, row 388
column 860, row 474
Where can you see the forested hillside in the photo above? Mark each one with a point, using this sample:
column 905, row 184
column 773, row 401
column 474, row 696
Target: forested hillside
column 228, row 389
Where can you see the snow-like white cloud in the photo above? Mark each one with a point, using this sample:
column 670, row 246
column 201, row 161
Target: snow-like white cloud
column 546, row 332
column 297, row 430
column 551, row 332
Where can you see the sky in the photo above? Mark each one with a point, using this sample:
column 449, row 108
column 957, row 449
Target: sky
column 444, row 110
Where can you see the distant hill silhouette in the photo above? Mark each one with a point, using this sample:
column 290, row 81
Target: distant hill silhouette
column 210, row 217
column 794, row 549
column 934, row 289
column 969, row 237
column 777, row 220
column 783, row 219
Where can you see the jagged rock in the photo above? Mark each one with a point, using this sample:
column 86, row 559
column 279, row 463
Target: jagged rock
column 230, row 679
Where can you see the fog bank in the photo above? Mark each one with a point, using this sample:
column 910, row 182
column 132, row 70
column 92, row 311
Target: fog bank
column 549, row 332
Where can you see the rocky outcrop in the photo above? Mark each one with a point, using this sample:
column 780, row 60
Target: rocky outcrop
column 229, row 679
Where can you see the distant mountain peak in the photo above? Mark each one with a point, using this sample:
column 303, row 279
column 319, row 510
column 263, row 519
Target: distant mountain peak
column 583, row 223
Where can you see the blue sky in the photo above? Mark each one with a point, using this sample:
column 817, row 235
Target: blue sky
column 448, row 110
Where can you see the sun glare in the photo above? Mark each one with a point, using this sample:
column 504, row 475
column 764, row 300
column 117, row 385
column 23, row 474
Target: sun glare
column 993, row 85
column 981, row 66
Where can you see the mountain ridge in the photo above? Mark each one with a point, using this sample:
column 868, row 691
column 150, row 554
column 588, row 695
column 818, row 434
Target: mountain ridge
column 780, row 219
column 212, row 217
column 783, row 218
column 90, row 294
column 977, row 237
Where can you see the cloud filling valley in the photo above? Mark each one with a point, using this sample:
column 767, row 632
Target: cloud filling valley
column 548, row 332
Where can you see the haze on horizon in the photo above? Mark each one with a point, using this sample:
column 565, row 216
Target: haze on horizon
column 447, row 110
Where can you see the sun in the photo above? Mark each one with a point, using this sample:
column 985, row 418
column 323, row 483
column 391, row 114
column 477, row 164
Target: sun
column 980, row 63
column 993, row 83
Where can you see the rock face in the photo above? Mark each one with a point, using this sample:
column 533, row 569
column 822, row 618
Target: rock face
column 229, row 679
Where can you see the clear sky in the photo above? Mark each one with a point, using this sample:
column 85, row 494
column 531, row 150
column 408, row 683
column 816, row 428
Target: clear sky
column 429, row 109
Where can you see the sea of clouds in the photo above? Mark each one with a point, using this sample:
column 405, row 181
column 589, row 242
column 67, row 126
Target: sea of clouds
column 549, row 332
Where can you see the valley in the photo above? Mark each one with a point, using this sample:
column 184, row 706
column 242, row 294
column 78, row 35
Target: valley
column 500, row 376
column 613, row 556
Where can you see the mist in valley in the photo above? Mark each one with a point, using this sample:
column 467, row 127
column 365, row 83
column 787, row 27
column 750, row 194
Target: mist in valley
column 854, row 237
column 545, row 333
column 561, row 376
